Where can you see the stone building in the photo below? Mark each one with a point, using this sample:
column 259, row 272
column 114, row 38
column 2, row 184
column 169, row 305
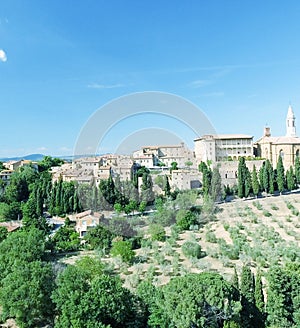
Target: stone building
column 288, row 146
column 223, row 147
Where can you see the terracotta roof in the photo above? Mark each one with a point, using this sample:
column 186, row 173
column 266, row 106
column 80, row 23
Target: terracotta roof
column 224, row 136
column 280, row 140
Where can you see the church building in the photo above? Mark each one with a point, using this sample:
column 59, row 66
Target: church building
column 288, row 146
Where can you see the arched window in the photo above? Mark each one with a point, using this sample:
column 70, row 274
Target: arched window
column 297, row 153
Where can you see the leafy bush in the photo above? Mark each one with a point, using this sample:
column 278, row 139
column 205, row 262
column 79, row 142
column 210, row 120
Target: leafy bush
column 274, row 207
column 191, row 249
column 185, row 219
column 157, row 232
column 123, row 249
column 258, row 205
column 210, row 237
column 267, row 213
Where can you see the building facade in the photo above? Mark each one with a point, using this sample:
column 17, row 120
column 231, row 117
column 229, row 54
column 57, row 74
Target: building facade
column 223, row 147
column 288, row 146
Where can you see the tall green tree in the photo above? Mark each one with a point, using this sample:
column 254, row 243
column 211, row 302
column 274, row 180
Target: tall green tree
column 206, row 177
column 290, row 179
column 280, row 175
column 255, row 182
column 243, row 179
column 297, row 169
column 258, row 293
column 216, row 185
column 26, row 294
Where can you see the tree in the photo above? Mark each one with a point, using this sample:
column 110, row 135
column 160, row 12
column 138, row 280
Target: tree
column 290, row 179
column 66, row 239
column 47, row 162
column 166, row 186
column 87, row 299
column 255, row 183
column 21, row 246
column 258, row 293
column 242, row 169
column 185, row 219
column 250, row 315
column 174, row 166
column 297, row 169
column 216, row 185
column 280, row 175
column 25, row 294
column 206, row 177
column 205, row 301
column 123, row 249
column 283, row 296
column 147, row 193
column 142, row 207
column 99, row 237
column 157, row 232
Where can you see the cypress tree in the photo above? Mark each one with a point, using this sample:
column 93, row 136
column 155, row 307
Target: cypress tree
column 280, row 175
column 297, row 169
column 271, row 178
column 216, row 185
column 241, row 177
column 290, row 179
column 247, row 297
column 255, row 183
column 261, row 177
column 258, row 293
column 248, row 182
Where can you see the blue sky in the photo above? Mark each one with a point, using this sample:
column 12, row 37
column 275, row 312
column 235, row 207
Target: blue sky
column 238, row 61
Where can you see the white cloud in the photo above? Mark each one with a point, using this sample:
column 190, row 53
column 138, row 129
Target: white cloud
column 3, row 57
column 105, row 86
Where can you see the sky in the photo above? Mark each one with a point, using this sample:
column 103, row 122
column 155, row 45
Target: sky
column 61, row 61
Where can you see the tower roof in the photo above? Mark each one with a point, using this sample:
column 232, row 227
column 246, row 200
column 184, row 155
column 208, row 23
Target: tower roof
column 290, row 113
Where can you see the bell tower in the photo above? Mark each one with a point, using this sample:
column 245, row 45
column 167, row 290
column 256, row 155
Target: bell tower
column 290, row 123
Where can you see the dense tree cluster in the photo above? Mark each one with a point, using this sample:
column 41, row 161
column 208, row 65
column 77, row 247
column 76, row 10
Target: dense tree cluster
column 267, row 179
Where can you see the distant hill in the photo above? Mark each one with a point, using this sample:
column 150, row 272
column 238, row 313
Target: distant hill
column 31, row 157
column 39, row 157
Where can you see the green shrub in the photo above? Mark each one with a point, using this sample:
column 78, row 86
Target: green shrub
column 191, row 249
column 157, row 232
column 267, row 213
column 210, row 237
column 258, row 205
column 123, row 249
column 274, row 207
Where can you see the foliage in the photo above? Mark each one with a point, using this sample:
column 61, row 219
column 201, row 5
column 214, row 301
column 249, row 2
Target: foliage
column 206, row 177
column 123, row 249
column 255, row 182
column 185, row 219
column 205, row 301
column 99, row 237
column 47, row 162
column 157, row 232
column 283, row 301
column 21, row 246
column 216, row 185
column 84, row 300
column 25, row 294
column 280, row 175
column 191, row 250
column 66, row 239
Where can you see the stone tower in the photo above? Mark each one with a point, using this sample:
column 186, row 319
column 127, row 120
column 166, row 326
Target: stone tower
column 290, row 123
